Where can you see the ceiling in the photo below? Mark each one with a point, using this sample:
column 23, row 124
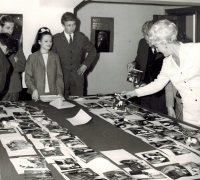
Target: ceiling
column 157, row 2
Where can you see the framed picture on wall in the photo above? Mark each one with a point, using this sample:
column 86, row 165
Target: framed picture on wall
column 102, row 33
column 18, row 24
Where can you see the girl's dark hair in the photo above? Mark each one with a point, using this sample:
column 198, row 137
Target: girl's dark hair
column 4, row 19
column 41, row 32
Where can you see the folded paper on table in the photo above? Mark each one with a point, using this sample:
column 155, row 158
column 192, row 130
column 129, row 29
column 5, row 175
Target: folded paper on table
column 81, row 118
column 60, row 104
column 48, row 98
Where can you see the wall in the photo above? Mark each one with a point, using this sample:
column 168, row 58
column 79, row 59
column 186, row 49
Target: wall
column 109, row 74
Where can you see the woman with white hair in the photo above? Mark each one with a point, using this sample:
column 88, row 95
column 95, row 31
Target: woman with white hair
column 181, row 66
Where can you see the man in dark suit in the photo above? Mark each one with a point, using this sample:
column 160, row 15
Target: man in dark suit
column 150, row 64
column 70, row 45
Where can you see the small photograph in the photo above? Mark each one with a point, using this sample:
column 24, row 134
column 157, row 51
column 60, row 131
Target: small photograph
column 117, row 175
column 41, row 135
column 38, row 174
column 139, row 130
column 126, row 113
column 67, row 164
column 176, row 172
column 62, row 130
column 136, row 166
column 140, row 122
column 151, row 137
column 109, row 116
column 18, row 145
column 36, row 113
column 155, row 158
column 32, row 131
column 50, row 143
column 171, row 124
column 51, row 127
column 73, row 142
column 64, row 135
column 92, row 105
column 105, row 103
column 10, row 105
column 49, row 152
column 157, row 128
column 179, row 138
column 20, row 114
column 174, row 150
column 8, row 118
column 30, row 108
column 162, row 143
column 29, row 162
column 81, row 150
column 102, row 40
column 88, row 156
column 170, row 133
column 81, row 174
column 193, row 143
column 2, row 112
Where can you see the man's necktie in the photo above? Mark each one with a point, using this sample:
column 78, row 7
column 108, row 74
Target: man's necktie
column 70, row 39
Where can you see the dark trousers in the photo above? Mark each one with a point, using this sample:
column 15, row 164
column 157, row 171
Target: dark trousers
column 71, row 89
column 155, row 102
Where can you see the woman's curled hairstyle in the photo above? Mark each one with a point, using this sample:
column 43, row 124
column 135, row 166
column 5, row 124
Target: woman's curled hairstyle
column 41, row 32
column 162, row 30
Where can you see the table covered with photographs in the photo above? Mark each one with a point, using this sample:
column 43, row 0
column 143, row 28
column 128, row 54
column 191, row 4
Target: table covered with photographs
column 38, row 141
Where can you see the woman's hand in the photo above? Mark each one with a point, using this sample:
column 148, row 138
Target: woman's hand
column 128, row 94
column 131, row 66
column 35, row 95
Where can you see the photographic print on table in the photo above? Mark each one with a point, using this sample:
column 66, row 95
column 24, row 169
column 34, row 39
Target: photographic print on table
column 64, row 135
column 139, row 130
column 147, row 174
column 140, row 122
column 41, row 135
column 20, row 114
column 49, row 152
column 8, row 118
column 81, row 174
column 155, row 158
column 29, row 162
column 73, row 142
column 93, row 106
column 65, row 164
column 38, row 175
column 170, row 124
column 109, row 116
column 157, row 128
column 50, row 143
column 162, row 143
column 136, row 166
column 3, row 112
column 117, row 175
column 178, row 172
column 18, row 145
column 148, row 137
column 105, row 103
column 89, row 156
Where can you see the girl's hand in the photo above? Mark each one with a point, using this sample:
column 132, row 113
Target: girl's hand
column 35, row 95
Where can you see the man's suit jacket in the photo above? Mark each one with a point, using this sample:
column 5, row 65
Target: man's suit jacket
column 4, row 68
column 15, row 81
column 142, row 56
column 70, row 55
column 35, row 73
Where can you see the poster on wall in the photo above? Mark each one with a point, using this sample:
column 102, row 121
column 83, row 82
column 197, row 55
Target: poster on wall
column 18, row 20
column 102, row 33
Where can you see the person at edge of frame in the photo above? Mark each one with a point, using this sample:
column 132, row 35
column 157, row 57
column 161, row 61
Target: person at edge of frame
column 17, row 64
